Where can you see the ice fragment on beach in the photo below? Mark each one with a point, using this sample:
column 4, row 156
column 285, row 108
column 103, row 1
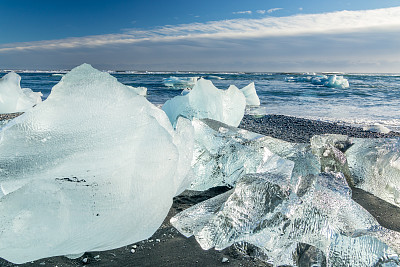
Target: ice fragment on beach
column 263, row 210
column 224, row 153
column 13, row 98
column 377, row 128
column 368, row 163
column 375, row 166
column 207, row 101
column 94, row 167
column 250, row 93
column 330, row 148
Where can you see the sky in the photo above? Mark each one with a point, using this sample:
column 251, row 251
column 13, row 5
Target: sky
column 218, row 35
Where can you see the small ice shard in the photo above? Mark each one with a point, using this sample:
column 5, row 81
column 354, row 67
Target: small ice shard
column 207, row 101
column 139, row 90
column 180, row 82
column 94, row 167
column 223, row 153
column 13, row 98
column 250, row 93
column 377, row 128
column 263, row 210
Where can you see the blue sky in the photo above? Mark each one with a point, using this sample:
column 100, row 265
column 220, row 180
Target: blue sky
column 357, row 36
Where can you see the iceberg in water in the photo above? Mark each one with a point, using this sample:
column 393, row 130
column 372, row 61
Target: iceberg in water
column 265, row 210
column 94, row 167
column 13, row 98
column 222, row 154
column 250, row 93
column 207, row 101
column 333, row 81
column 180, row 82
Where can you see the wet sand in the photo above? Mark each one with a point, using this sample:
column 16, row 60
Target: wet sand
column 169, row 248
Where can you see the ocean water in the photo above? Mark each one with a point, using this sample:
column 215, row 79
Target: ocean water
column 370, row 98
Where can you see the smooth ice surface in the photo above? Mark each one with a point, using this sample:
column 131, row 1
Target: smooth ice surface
column 223, row 153
column 207, row 101
column 13, row 98
column 94, row 167
column 180, row 82
column 263, row 210
column 250, row 93
column 332, row 81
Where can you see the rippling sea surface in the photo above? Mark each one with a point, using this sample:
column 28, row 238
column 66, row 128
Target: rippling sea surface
column 370, row 98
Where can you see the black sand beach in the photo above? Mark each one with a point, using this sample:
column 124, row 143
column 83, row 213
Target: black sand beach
column 169, row 248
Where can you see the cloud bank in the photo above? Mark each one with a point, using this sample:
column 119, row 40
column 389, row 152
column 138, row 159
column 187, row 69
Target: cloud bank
column 364, row 41
column 335, row 22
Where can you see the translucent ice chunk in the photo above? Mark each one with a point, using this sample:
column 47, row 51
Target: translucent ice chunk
column 94, row 167
column 370, row 164
column 250, row 93
column 330, row 150
column 224, row 153
column 13, row 98
column 263, row 210
column 375, row 166
column 207, row 101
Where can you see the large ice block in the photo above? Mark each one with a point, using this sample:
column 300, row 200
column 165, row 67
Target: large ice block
column 13, row 98
column 207, row 101
column 94, row 167
column 263, row 210
column 224, row 153
column 250, row 93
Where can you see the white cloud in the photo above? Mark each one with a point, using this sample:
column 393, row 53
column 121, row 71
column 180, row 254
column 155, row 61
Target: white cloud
column 304, row 24
column 261, row 11
column 242, row 12
column 300, row 8
column 273, row 10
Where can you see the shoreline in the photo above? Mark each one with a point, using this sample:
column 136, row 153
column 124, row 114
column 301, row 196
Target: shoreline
column 167, row 247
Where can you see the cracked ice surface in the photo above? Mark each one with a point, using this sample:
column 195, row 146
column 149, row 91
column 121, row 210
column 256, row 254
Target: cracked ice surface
column 94, row 167
column 224, row 153
column 207, row 101
column 263, row 210
column 13, row 98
